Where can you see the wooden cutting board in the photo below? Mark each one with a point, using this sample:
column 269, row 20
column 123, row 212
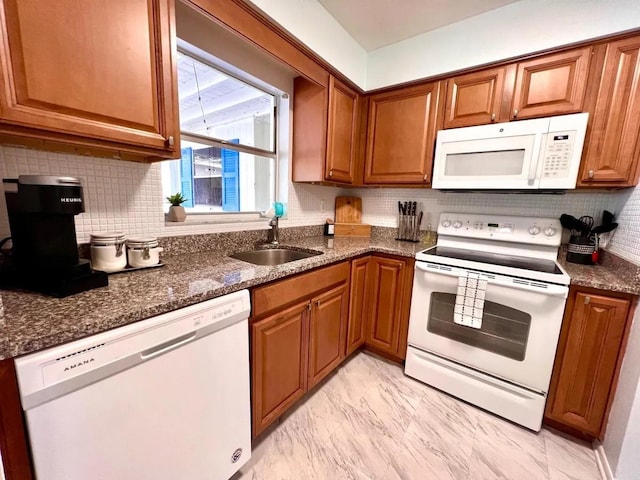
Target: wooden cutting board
column 348, row 210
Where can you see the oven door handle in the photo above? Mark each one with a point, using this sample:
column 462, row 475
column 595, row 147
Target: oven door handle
column 549, row 289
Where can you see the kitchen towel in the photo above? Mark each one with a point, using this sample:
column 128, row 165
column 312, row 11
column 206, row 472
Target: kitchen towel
column 469, row 305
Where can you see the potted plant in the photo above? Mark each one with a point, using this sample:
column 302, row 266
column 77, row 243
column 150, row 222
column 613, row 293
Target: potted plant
column 176, row 210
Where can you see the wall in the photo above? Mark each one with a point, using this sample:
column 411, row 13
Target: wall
column 308, row 21
column 515, row 29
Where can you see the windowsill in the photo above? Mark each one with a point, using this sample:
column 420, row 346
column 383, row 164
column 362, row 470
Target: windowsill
column 248, row 220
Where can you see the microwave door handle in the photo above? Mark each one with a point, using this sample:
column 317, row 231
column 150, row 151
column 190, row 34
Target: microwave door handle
column 535, row 158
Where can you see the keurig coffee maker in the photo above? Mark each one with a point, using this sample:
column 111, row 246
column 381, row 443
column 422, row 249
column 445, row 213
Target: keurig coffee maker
column 44, row 256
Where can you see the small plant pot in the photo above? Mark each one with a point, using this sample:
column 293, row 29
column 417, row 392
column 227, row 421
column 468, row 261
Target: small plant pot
column 177, row 214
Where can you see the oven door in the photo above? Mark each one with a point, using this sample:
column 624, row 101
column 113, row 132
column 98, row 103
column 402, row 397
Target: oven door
column 520, row 324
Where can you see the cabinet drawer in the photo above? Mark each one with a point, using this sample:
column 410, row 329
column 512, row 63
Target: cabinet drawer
column 284, row 292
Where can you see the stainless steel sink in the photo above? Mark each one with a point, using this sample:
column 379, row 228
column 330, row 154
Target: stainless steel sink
column 272, row 256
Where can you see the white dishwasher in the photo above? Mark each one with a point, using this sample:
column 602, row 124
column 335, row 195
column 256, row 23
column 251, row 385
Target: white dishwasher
column 163, row 399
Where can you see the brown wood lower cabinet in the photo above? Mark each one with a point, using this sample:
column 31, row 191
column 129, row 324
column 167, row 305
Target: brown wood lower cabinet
column 389, row 301
column 327, row 330
column 13, row 440
column 278, row 345
column 379, row 305
column 587, row 362
column 298, row 334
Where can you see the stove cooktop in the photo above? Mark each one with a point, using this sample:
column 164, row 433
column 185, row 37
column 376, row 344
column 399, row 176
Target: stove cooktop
column 524, row 263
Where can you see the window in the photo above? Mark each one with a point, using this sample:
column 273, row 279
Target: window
column 228, row 135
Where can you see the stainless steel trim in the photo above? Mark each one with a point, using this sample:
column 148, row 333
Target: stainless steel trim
column 50, row 180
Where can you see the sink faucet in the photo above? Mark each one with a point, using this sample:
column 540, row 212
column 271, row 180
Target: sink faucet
column 275, row 231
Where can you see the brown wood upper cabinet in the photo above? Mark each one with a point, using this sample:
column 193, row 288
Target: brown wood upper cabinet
column 612, row 149
column 401, row 135
column 552, row 84
column 588, row 358
column 97, row 77
column 325, row 132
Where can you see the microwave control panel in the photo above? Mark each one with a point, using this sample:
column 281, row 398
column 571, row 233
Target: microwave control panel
column 557, row 154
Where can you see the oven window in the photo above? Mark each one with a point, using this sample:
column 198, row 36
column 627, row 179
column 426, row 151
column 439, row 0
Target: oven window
column 504, row 331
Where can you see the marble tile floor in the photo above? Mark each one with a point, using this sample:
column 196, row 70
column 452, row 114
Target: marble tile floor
column 368, row 421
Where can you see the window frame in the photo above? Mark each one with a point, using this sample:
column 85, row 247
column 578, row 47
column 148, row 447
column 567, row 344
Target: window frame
column 220, row 143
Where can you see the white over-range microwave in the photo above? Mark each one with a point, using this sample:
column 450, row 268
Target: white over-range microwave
column 543, row 153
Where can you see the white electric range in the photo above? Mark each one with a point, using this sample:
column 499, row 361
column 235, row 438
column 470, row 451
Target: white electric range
column 486, row 312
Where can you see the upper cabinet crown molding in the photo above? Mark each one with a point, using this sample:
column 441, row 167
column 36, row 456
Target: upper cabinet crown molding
column 115, row 93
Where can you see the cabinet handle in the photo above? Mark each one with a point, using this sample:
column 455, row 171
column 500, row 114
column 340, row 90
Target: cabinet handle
column 331, row 173
column 318, row 304
column 309, row 306
column 587, row 300
column 170, row 141
column 515, row 113
column 493, row 117
column 590, row 173
column 424, row 179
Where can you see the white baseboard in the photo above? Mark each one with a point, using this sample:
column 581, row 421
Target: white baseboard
column 603, row 462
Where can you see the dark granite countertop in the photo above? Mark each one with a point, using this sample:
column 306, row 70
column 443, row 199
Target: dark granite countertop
column 31, row 322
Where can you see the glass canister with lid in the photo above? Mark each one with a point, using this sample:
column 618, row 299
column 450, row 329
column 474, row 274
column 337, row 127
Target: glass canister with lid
column 108, row 252
column 143, row 251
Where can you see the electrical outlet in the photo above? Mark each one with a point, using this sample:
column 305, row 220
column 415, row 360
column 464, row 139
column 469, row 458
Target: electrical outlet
column 323, row 206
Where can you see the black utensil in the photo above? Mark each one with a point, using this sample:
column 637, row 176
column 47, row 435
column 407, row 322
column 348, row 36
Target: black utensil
column 572, row 223
column 588, row 221
column 604, row 229
column 607, row 217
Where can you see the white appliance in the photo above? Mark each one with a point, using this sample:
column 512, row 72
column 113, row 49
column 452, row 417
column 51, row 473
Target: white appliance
column 542, row 153
column 505, row 365
column 165, row 398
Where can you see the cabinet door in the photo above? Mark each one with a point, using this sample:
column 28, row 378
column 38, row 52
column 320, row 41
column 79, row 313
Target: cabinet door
column 279, row 346
column 585, row 365
column 476, row 98
column 401, row 135
column 612, row 149
column 387, row 311
column 100, row 72
column 327, row 332
column 551, row 85
column 342, row 132
column 358, row 304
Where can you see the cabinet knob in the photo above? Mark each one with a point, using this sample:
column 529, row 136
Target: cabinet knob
column 170, row 141
column 590, row 173
column 493, row 117
column 331, row 173
column 587, row 300
column 309, row 306
column 318, row 304
column 515, row 113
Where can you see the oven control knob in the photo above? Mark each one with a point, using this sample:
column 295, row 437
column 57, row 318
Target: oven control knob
column 457, row 224
column 534, row 229
column 446, row 223
column 550, row 231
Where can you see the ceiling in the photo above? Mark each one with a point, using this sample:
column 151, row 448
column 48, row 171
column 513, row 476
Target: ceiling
column 376, row 23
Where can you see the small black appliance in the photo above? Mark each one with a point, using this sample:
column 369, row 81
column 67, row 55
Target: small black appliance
column 44, row 256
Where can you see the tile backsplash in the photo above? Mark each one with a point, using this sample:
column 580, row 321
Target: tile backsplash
column 127, row 196
column 380, row 206
column 626, row 239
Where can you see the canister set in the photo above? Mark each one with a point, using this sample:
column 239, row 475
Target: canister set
column 113, row 252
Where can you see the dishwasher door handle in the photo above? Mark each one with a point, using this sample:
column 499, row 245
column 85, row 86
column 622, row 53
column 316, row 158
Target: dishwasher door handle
column 168, row 345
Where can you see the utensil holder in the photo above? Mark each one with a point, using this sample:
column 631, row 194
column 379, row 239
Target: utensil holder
column 581, row 250
column 408, row 229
